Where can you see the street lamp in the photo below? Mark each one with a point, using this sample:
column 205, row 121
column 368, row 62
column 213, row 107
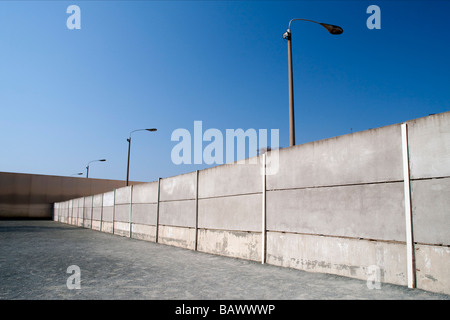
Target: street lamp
column 77, row 174
column 129, row 148
column 287, row 35
column 87, row 167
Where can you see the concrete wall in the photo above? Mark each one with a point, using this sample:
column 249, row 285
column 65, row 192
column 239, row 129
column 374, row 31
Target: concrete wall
column 346, row 205
column 144, row 211
column 97, row 211
column 429, row 155
column 229, row 210
column 31, row 196
column 177, row 210
column 107, row 221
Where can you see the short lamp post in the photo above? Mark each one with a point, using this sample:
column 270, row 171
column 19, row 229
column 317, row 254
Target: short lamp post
column 129, row 148
column 77, row 174
column 287, row 35
column 87, row 167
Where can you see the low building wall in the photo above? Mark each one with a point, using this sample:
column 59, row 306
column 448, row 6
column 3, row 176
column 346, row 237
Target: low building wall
column 31, row 196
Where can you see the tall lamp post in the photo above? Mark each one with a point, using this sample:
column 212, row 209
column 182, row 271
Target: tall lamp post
column 287, row 35
column 129, row 148
column 87, row 167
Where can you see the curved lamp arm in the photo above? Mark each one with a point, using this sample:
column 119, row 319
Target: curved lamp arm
column 151, row 130
column 102, row 160
column 330, row 27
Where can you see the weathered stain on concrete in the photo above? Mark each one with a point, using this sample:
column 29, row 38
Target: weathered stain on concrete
column 96, row 224
column 177, row 236
column 122, row 228
column 429, row 275
column 340, row 256
column 237, row 244
column 107, row 227
column 143, row 232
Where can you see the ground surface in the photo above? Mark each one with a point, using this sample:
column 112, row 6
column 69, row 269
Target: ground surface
column 35, row 256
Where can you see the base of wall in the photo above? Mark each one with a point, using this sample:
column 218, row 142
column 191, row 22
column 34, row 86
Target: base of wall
column 122, row 228
column 340, row 256
column 107, row 227
column 236, row 244
column 432, row 273
column 143, row 232
column 182, row 237
column 87, row 223
column 96, row 225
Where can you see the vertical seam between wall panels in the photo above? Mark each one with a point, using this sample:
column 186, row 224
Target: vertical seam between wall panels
column 131, row 206
column 157, row 211
column 196, row 212
column 408, row 213
column 263, row 217
column 78, row 212
column 114, row 210
column 68, row 213
column 101, row 214
column 92, row 209
column 84, row 201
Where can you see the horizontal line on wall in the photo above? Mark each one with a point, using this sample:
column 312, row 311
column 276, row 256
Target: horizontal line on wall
column 337, row 185
column 228, row 230
column 433, row 244
column 357, row 184
column 145, row 202
column 175, row 200
column 144, row 224
column 430, row 178
column 230, row 195
column 336, row 236
column 358, row 238
column 177, row 226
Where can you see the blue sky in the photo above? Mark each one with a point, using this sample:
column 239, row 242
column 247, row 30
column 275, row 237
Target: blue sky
column 71, row 96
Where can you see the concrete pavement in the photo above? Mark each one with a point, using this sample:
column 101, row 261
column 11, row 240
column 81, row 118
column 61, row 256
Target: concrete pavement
column 35, row 257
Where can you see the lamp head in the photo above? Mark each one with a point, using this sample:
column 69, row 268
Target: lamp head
column 332, row 28
column 151, row 130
